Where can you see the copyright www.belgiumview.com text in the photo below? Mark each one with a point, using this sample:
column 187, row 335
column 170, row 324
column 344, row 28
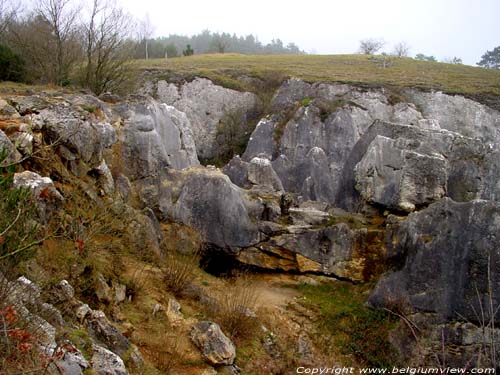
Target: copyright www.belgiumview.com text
column 394, row 370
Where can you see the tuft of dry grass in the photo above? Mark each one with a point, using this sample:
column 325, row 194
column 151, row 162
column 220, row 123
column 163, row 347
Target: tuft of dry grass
column 178, row 271
column 234, row 308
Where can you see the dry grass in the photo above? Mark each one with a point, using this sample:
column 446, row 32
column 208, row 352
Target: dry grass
column 234, row 307
column 178, row 271
column 357, row 69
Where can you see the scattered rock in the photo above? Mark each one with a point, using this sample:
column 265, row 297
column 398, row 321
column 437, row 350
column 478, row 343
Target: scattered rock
column 215, row 347
column 105, row 362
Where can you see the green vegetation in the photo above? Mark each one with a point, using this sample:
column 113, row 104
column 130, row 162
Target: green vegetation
column 346, row 324
column 17, row 229
column 356, row 69
column 11, row 65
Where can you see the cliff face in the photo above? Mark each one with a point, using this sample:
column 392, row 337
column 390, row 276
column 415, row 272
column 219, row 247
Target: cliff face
column 336, row 180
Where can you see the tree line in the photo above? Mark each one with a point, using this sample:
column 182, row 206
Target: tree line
column 208, row 42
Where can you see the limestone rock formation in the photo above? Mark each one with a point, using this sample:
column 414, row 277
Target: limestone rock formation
column 154, row 137
column 205, row 105
column 445, row 258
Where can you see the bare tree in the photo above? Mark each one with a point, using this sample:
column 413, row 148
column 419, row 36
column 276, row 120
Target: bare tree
column 401, row 49
column 8, row 13
column 370, row 46
column 146, row 30
column 62, row 20
column 221, row 42
column 107, row 47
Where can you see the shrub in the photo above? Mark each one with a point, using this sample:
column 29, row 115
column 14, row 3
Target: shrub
column 18, row 229
column 188, row 51
column 11, row 65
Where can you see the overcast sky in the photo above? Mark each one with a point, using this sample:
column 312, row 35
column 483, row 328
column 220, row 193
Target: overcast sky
column 443, row 28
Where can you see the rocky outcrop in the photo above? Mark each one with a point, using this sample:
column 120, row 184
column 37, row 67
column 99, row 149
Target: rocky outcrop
column 403, row 167
column 320, row 133
column 458, row 114
column 341, row 246
column 205, row 105
column 446, row 259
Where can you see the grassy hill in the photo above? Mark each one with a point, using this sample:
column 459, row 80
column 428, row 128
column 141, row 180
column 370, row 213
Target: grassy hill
column 227, row 69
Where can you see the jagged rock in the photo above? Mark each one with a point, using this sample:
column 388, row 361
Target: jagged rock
column 29, row 104
column 12, row 155
column 309, row 216
column 173, row 311
column 445, row 257
column 262, row 141
column 70, row 361
column 103, row 290
column 205, row 105
column 315, row 144
column 64, row 291
column 215, row 347
column 82, row 311
column 100, row 327
column 105, row 362
column 394, row 177
column 119, row 292
column 23, row 142
column 7, row 111
column 154, row 136
column 406, row 114
column 291, row 92
column 105, row 178
column 237, row 171
column 330, row 249
column 123, row 186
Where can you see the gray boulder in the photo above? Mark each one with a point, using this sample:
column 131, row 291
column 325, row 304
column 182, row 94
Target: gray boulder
column 102, row 330
column 446, row 259
column 205, row 105
column 206, row 199
column 105, row 362
column 215, row 347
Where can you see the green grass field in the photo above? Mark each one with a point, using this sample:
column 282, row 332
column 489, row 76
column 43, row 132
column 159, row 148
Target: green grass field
column 357, row 69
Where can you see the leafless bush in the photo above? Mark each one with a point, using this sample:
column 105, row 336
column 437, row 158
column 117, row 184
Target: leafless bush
column 401, row 49
column 370, row 46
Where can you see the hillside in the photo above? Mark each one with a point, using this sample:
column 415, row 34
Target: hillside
column 228, row 69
